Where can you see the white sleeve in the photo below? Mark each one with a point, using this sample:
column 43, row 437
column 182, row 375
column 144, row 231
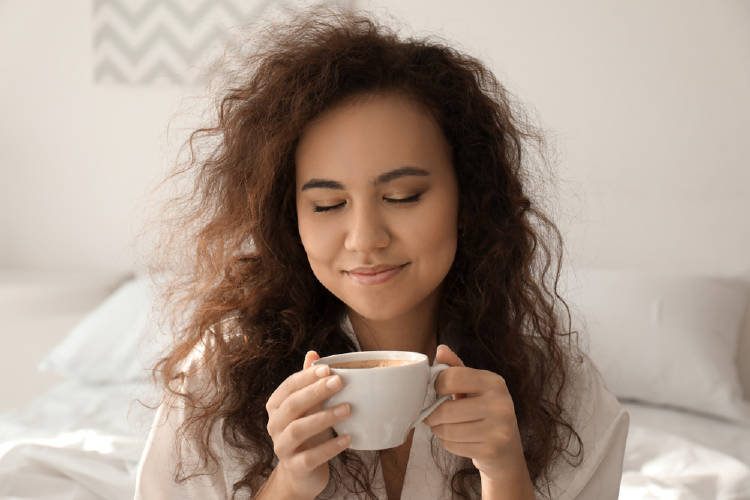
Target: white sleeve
column 602, row 423
column 155, row 478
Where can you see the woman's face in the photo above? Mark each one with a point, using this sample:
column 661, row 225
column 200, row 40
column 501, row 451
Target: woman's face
column 377, row 204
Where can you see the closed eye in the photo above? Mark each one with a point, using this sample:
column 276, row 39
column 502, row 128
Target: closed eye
column 324, row 208
column 410, row 199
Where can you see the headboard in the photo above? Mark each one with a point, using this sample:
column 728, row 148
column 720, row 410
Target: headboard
column 693, row 331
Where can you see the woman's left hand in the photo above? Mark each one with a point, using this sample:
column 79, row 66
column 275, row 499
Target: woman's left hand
column 480, row 422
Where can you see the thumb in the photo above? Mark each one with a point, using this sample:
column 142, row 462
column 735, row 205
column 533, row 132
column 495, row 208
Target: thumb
column 309, row 358
column 446, row 356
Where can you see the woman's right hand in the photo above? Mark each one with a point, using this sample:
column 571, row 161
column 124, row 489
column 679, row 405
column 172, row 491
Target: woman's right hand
column 301, row 429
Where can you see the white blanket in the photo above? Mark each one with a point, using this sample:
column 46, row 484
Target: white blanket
column 660, row 465
column 77, row 442
column 79, row 465
column 83, row 442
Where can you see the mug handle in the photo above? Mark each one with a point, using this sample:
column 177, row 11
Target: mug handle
column 434, row 371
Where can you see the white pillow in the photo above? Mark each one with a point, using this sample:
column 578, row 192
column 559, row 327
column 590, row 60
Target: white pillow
column 113, row 343
column 667, row 340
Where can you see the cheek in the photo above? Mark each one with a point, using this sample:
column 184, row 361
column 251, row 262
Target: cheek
column 442, row 247
column 319, row 240
column 436, row 231
column 432, row 238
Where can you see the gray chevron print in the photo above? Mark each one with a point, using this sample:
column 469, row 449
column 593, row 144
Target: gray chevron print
column 163, row 41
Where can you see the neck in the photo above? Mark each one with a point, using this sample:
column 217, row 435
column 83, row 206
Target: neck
column 414, row 331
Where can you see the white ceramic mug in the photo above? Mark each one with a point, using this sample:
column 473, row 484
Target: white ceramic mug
column 386, row 402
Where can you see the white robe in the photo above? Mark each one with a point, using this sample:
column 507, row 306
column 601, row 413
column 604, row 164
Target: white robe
column 596, row 415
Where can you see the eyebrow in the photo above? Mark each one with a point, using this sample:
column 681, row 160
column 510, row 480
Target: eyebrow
column 381, row 179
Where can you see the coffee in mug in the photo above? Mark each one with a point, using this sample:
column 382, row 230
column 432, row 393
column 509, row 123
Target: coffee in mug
column 386, row 391
column 371, row 363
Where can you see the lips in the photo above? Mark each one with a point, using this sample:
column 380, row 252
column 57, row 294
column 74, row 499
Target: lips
column 370, row 270
column 374, row 275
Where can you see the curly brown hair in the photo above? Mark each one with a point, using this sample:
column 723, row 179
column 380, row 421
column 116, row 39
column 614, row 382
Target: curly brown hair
column 244, row 258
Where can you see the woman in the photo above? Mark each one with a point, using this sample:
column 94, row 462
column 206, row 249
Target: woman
column 383, row 184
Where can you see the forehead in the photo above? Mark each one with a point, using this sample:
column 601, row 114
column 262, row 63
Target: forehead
column 369, row 134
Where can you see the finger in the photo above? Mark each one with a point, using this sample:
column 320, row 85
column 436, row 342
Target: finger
column 294, row 383
column 301, row 430
column 301, row 402
column 453, row 412
column 313, row 356
column 310, row 356
column 465, row 432
column 315, row 457
column 446, row 356
column 462, row 380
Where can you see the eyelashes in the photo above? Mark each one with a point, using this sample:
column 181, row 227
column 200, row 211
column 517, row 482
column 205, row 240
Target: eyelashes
column 410, row 199
column 316, row 208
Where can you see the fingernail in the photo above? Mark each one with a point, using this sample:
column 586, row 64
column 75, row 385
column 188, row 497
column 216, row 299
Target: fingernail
column 340, row 411
column 343, row 441
column 321, row 371
column 334, row 382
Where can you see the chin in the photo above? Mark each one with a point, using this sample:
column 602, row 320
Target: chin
column 376, row 310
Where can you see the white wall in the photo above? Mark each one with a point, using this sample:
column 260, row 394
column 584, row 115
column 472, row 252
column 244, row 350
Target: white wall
column 76, row 159
column 646, row 102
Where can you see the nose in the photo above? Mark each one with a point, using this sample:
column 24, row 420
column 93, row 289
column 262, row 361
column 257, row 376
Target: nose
column 367, row 231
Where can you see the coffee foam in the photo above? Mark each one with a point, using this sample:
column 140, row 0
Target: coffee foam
column 372, row 363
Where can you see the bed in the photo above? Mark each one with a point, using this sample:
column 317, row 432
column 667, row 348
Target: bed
column 674, row 349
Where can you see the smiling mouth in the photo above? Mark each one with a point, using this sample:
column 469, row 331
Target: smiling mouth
column 375, row 278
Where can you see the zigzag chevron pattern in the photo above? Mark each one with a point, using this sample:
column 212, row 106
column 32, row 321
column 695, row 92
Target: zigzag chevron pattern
column 163, row 41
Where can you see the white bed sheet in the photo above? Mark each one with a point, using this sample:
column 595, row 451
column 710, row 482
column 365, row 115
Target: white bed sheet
column 83, row 442
column 679, row 455
column 75, row 442
column 728, row 437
